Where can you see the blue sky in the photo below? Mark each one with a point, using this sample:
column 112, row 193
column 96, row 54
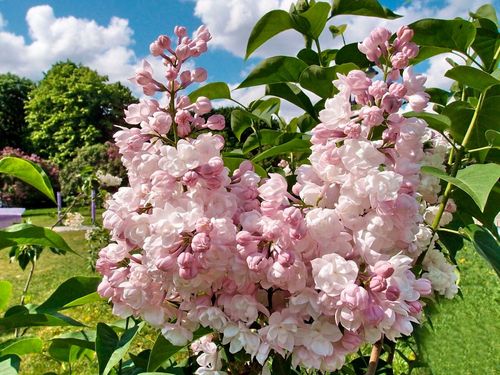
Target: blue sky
column 113, row 36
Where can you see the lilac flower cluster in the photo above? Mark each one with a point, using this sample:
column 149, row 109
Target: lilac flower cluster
column 313, row 273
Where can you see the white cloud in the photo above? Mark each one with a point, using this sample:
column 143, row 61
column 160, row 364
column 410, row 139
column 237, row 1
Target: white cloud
column 104, row 48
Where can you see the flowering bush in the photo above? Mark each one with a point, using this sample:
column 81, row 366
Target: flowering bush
column 315, row 237
column 313, row 273
column 14, row 193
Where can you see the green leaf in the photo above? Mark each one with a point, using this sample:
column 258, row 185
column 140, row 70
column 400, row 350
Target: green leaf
column 316, row 15
column 295, row 145
column 460, row 114
column 369, row 8
column 5, row 293
column 21, row 345
column 435, row 121
column 27, row 319
column 71, row 346
column 492, row 136
column 486, row 11
column 275, row 70
column 29, row 234
column 293, row 94
column 265, row 136
column 309, row 56
column 28, row 172
column 426, row 52
column 241, row 120
column 271, row 24
column 73, row 292
column 337, row 30
column 9, row 365
column 476, row 180
column 306, row 122
column 264, row 109
column 438, row 96
column 351, row 54
column 84, row 339
column 319, row 79
column 456, row 34
column 471, row 77
column 486, row 43
column 109, row 348
column 485, row 244
column 162, row 350
column 214, row 90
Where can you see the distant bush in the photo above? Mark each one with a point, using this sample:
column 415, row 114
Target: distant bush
column 15, row 193
column 90, row 159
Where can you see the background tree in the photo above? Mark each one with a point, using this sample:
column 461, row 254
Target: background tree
column 14, row 92
column 73, row 106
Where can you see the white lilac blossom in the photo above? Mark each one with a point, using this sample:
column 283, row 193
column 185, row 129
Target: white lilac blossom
column 314, row 271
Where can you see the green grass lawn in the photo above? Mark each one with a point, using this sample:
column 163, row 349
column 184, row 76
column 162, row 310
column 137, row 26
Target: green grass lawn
column 465, row 339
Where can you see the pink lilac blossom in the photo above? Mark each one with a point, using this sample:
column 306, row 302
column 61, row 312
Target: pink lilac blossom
column 314, row 274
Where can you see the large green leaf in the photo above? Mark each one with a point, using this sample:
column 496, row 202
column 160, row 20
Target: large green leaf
column 214, row 90
column 316, row 15
column 293, row 94
column 71, row 346
column 472, row 77
column 426, row 52
column 21, row 345
column 73, row 292
column 29, row 234
column 275, row 70
column 109, row 348
column 476, row 180
column 271, row 24
column 435, row 121
column 5, row 293
column 351, row 54
column 319, row 79
column 485, row 244
column 370, row 8
column 33, row 319
column 486, row 43
column 456, row 34
column 264, row 137
column 28, row 172
column 295, row 145
column 265, row 109
column 241, row 120
column 9, row 365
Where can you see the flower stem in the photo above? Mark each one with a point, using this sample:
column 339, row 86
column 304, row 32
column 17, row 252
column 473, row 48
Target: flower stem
column 374, row 356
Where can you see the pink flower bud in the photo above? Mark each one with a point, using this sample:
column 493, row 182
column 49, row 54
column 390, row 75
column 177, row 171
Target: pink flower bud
column 190, row 178
column 180, row 31
column 404, row 34
column 355, row 296
column 415, row 307
column 423, row 286
column 200, row 242
column 164, row 41
column 380, row 35
column 392, row 293
column 257, row 262
column 383, row 269
column 165, row 264
column 198, row 75
column 185, row 78
column 171, row 73
column 155, row 49
column 216, row 122
column 377, row 89
column 371, row 116
column 351, row 341
column 182, row 52
column 373, row 314
column 286, row 258
column 202, row 105
column 203, row 33
column 390, row 103
column 410, row 50
column 183, row 129
column 378, row 284
column 398, row 90
column 399, row 60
